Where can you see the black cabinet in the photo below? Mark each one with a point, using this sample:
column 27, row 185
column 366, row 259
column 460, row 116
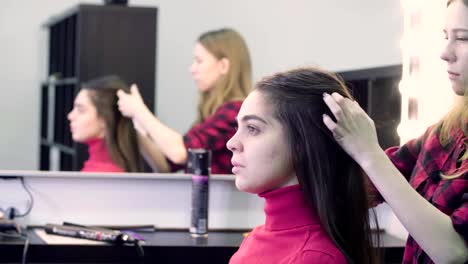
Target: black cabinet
column 86, row 42
column 376, row 91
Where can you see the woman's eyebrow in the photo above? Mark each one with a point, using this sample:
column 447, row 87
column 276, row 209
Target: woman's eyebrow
column 253, row 117
column 456, row 30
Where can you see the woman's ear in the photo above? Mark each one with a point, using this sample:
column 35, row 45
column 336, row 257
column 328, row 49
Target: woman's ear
column 224, row 65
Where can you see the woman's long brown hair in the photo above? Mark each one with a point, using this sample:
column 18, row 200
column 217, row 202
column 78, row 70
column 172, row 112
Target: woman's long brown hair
column 121, row 138
column 332, row 182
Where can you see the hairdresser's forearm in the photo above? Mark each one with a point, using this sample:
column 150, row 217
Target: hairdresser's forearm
column 152, row 155
column 168, row 141
column 431, row 228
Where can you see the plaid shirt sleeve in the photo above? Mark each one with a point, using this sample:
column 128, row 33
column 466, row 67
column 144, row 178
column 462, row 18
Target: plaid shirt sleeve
column 423, row 162
column 404, row 159
column 213, row 134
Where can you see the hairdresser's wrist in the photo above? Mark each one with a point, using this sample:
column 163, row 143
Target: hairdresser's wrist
column 143, row 116
column 139, row 111
column 370, row 157
column 139, row 128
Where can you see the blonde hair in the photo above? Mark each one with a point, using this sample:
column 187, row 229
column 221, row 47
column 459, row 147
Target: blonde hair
column 456, row 118
column 237, row 82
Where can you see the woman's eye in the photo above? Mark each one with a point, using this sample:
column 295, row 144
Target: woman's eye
column 252, row 130
column 80, row 110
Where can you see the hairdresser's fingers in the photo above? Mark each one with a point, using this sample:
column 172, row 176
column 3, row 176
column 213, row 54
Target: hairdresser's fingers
column 120, row 93
column 334, row 107
column 134, row 90
column 329, row 123
column 344, row 103
column 123, row 104
column 351, row 110
column 121, row 107
column 333, row 127
column 338, row 98
column 355, row 107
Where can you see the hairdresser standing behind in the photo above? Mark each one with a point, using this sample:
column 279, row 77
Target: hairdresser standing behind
column 433, row 206
column 223, row 75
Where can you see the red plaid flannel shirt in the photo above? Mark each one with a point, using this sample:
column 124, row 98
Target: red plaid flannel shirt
column 421, row 161
column 213, row 134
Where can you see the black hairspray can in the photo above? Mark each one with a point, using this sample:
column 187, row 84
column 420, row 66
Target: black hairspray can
column 198, row 164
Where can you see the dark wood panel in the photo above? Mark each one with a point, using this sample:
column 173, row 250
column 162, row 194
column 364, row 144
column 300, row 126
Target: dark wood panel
column 376, row 91
column 89, row 41
column 119, row 40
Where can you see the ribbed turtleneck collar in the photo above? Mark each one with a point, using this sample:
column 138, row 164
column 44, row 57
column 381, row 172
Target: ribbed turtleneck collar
column 286, row 208
column 97, row 150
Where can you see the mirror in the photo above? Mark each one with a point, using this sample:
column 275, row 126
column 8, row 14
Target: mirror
column 333, row 34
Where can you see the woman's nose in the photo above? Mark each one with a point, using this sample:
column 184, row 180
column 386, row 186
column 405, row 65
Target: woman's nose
column 69, row 116
column 447, row 53
column 233, row 144
column 192, row 68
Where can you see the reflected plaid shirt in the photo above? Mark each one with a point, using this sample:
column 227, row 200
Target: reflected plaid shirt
column 213, row 134
column 421, row 161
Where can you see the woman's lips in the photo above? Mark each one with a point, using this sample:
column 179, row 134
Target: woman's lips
column 452, row 75
column 236, row 166
column 235, row 170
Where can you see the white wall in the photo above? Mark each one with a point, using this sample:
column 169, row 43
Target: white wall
column 338, row 35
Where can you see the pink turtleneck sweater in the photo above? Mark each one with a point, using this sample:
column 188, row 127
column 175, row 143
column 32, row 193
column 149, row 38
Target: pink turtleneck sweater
column 99, row 159
column 291, row 233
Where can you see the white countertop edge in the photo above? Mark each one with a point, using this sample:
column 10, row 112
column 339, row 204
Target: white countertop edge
column 107, row 175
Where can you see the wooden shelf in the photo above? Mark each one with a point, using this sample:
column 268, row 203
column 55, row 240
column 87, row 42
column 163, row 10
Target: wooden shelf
column 86, row 42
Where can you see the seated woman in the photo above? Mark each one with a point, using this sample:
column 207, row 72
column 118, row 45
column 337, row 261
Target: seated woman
column 316, row 204
column 96, row 121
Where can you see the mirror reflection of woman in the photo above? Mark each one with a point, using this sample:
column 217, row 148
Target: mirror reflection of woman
column 96, row 121
column 425, row 181
column 222, row 73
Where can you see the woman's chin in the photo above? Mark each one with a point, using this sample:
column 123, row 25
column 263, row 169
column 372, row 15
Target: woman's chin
column 240, row 184
column 244, row 187
column 77, row 138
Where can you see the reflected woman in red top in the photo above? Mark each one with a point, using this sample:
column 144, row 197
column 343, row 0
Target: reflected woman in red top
column 96, row 121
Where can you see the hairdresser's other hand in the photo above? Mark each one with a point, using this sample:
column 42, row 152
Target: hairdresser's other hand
column 354, row 129
column 130, row 103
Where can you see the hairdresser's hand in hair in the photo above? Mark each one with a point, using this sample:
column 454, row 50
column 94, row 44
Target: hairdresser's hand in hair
column 130, row 103
column 354, row 129
column 168, row 141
